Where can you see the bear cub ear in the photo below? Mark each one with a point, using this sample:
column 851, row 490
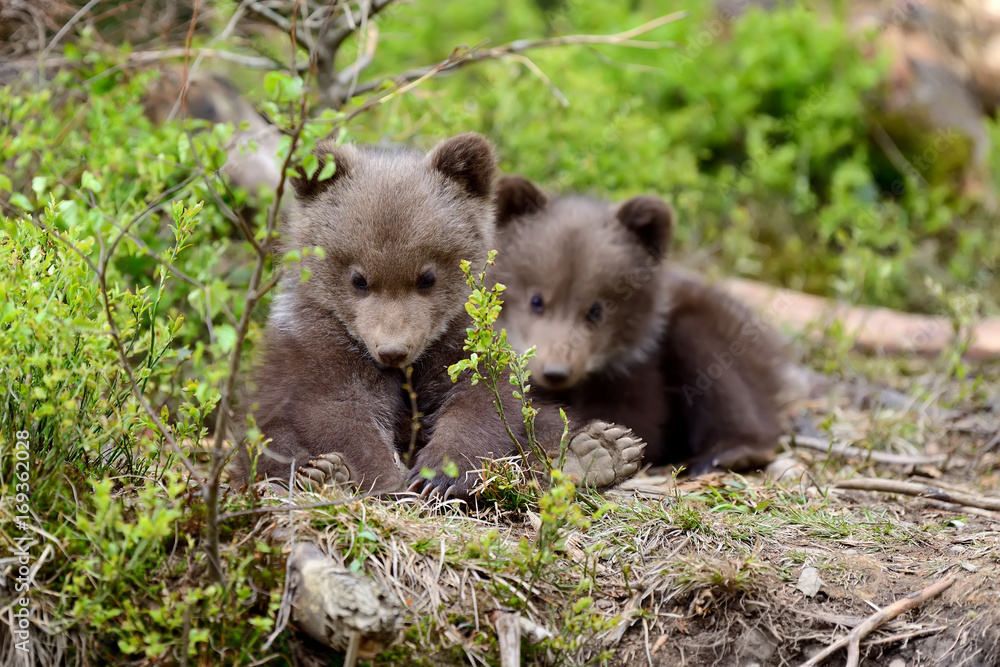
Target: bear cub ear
column 469, row 160
column 651, row 221
column 517, row 197
column 307, row 188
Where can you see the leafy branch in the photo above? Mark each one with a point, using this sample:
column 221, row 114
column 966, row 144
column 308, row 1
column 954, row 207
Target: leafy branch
column 491, row 356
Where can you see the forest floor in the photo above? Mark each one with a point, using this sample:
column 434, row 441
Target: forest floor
column 765, row 568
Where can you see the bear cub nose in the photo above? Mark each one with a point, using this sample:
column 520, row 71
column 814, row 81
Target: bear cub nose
column 555, row 374
column 392, row 355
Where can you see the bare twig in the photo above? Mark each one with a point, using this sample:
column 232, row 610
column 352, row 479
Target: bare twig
column 347, row 79
column 921, row 491
column 963, row 509
column 853, row 638
column 376, row 100
column 337, row 87
column 257, row 62
column 414, row 417
column 470, row 56
column 537, row 71
column 346, row 24
column 274, row 17
column 508, row 627
column 67, row 27
column 847, row 451
column 186, row 73
column 144, row 58
column 903, row 636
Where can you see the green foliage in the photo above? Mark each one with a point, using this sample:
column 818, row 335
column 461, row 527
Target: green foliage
column 506, row 484
column 491, row 356
column 558, row 513
column 123, row 294
column 762, row 145
column 101, row 482
column 120, row 240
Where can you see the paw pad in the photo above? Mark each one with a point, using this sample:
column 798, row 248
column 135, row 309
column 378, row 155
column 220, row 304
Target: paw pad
column 322, row 470
column 601, row 455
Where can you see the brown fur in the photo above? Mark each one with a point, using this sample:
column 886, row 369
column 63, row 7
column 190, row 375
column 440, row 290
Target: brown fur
column 387, row 293
column 623, row 335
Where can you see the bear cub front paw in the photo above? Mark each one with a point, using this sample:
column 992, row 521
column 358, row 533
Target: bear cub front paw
column 602, row 455
column 324, row 469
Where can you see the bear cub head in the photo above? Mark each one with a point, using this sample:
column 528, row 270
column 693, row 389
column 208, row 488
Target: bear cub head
column 394, row 225
column 584, row 280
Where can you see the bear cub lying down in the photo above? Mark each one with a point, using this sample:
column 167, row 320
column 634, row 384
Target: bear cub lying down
column 388, row 293
column 623, row 335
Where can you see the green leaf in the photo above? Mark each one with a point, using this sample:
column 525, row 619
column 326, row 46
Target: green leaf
column 22, row 202
column 90, row 182
column 225, row 336
column 310, row 163
column 329, row 169
column 38, row 185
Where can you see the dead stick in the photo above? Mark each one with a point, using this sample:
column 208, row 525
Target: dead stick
column 903, row 636
column 508, row 627
column 921, row 490
column 874, row 329
column 477, row 54
column 962, row 509
column 848, row 451
column 853, row 639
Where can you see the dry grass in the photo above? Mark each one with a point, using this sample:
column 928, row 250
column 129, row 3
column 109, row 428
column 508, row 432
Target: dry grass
column 679, row 571
column 704, row 571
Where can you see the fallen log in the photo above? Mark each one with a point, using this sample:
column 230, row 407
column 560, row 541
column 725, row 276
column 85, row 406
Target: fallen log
column 877, row 330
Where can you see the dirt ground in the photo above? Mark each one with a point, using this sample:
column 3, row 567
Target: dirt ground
column 776, row 624
column 869, row 548
column 764, row 569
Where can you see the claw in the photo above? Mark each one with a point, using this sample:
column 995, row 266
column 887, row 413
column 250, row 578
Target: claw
column 615, row 433
column 326, row 468
column 305, row 481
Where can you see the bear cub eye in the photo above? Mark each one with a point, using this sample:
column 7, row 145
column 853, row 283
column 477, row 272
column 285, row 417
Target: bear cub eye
column 359, row 282
column 537, row 304
column 596, row 312
column 426, row 280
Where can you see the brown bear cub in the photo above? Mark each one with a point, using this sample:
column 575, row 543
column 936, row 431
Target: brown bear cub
column 388, row 293
column 623, row 335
